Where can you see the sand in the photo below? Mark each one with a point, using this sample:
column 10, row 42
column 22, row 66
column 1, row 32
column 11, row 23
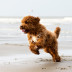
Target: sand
column 18, row 58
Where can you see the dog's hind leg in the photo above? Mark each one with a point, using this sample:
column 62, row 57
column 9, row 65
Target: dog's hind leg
column 54, row 54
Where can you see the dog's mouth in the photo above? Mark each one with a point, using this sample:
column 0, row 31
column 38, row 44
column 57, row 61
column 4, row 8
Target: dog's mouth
column 25, row 31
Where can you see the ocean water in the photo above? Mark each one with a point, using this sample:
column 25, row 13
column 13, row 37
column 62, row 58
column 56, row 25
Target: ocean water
column 11, row 34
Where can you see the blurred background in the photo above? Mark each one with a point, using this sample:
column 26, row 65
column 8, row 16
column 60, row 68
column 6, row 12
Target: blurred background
column 20, row 8
column 52, row 13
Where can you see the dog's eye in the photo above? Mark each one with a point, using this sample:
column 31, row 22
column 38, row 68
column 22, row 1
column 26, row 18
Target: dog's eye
column 26, row 22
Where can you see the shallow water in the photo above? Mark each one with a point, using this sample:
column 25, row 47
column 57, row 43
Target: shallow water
column 11, row 34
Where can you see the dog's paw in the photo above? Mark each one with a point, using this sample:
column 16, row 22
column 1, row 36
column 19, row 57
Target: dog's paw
column 58, row 59
column 34, row 50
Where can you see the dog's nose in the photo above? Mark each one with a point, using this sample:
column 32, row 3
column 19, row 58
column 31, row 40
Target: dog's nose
column 21, row 27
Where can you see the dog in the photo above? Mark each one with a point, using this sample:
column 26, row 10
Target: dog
column 41, row 38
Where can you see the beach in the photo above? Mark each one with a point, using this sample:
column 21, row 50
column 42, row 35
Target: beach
column 18, row 58
column 15, row 55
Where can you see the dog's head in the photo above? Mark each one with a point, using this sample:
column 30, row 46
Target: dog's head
column 29, row 24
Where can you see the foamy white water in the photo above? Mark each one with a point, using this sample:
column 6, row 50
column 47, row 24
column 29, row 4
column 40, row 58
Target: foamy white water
column 11, row 34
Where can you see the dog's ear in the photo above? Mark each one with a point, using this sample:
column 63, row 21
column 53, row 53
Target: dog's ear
column 37, row 19
column 22, row 21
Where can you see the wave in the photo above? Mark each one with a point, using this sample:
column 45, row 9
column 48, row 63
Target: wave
column 43, row 20
column 10, row 20
column 11, row 34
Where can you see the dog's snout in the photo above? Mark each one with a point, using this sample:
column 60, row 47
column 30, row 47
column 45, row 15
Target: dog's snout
column 21, row 27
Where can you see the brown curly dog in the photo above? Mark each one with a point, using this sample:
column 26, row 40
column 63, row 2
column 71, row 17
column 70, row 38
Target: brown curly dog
column 40, row 38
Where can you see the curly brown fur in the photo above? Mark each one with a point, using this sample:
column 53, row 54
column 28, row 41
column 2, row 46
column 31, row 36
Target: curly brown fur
column 40, row 38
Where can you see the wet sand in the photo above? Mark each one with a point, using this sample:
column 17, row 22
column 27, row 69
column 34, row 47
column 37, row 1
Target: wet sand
column 18, row 58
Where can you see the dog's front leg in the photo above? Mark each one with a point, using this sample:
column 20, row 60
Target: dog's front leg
column 34, row 49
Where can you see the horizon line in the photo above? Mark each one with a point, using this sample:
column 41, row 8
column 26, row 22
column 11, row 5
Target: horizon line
column 35, row 16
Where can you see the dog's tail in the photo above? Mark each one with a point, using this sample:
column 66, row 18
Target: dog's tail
column 57, row 31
